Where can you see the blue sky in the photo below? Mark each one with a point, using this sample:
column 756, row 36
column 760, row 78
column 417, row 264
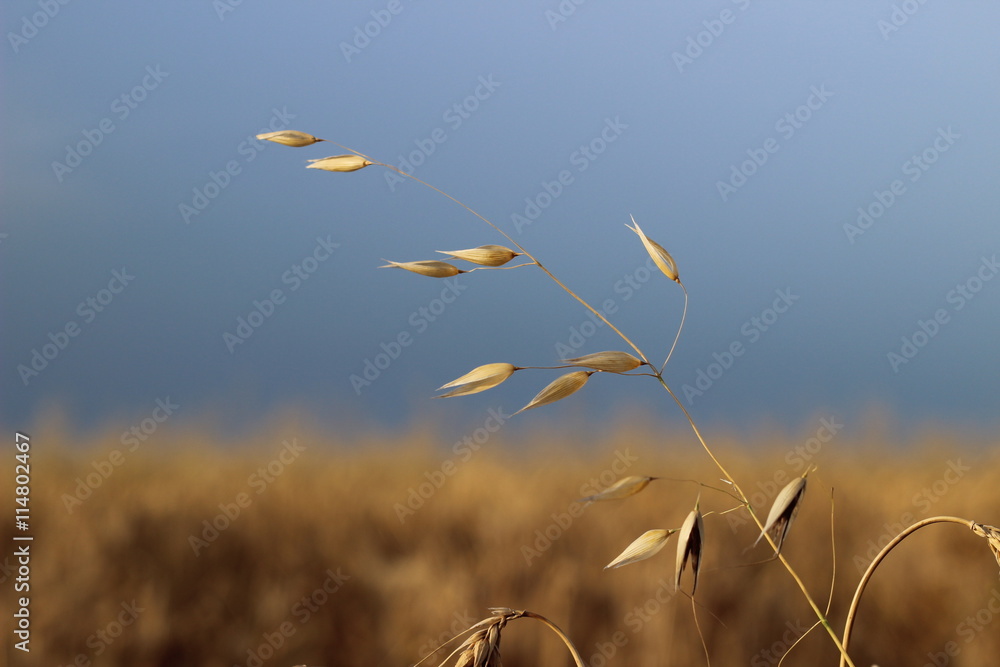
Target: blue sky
column 823, row 173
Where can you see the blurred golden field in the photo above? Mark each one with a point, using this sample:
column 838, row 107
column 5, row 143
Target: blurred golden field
column 298, row 546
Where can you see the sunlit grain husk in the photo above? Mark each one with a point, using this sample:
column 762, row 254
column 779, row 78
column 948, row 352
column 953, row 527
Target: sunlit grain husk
column 783, row 511
column 486, row 255
column 992, row 535
column 339, row 163
column 482, row 647
column 612, row 362
column 623, row 488
column 432, row 268
column 689, row 548
column 290, row 138
column 661, row 257
column 559, row 389
column 647, row 545
column 483, row 372
column 479, row 379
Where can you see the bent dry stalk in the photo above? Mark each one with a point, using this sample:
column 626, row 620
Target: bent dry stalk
column 482, row 648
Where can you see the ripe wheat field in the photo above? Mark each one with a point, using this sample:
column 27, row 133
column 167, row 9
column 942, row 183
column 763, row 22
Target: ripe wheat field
column 298, row 546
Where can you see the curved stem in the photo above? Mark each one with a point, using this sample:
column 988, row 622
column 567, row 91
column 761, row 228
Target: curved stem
column 517, row 245
column 885, row 552
column 679, row 328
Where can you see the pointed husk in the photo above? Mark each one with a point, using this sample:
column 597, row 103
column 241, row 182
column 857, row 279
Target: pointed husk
column 431, row 267
column 992, row 535
column 660, row 256
column 290, row 138
column 486, row 255
column 783, row 511
column 647, row 545
column 339, row 163
column 558, row 389
column 623, row 488
column 479, row 379
column 689, row 548
column 610, row 361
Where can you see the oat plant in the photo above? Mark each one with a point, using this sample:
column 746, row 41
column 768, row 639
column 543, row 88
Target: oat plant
column 482, row 647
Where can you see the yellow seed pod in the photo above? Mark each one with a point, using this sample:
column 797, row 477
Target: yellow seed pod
column 559, row 389
column 487, row 255
column 485, row 372
column 645, row 546
column 612, row 362
column 661, row 257
column 431, row 268
column 623, row 488
column 689, row 548
column 290, row 138
column 339, row 163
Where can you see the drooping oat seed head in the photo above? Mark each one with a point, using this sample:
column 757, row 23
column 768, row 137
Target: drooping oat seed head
column 482, row 647
column 479, row 379
column 290, row 138
column 486, row 255
column 559, row 389
column 647, row 545
column 430, row 267
column 689, row 548
column 623, row 488
column 783, row 511
column 611, row 362
column 992, row 535
column 339, row 163
column 661, row 257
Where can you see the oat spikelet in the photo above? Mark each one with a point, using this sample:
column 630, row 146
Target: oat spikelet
column 623, row 488
column 482, row 647
column 487, row 255
column 612, row 362
column 992, row 535
column 290, row 138
column 689, row 548
column 339, row 163
column 783, row 511
column 559, row 389
column 431, row 267
column 647, row 545
column 660, row 256
column 479, row 379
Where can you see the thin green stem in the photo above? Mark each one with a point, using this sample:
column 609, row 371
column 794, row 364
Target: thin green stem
column 679, row 328
column 852, row 613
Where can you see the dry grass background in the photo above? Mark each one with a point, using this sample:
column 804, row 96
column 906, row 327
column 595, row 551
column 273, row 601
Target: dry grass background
column 399, row 586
